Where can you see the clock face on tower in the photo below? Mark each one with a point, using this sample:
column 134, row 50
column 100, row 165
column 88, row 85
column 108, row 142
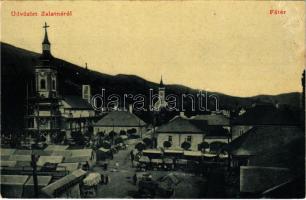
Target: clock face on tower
column 42, row 74
column 43, row 121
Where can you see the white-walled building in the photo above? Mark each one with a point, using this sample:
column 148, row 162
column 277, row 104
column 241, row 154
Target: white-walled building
column 77, row 114
column 192, row 130
column 119, row 121
column 51, row 116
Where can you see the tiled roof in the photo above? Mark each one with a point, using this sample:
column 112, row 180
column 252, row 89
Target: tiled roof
column 266, row 115
column 76, row 102
column 186, row 125
column 262, row 139
column 42, row 180
column 182, row 125
column 72, row 177
column 213, row 119
column 13, row 179
column 290, row 155
column 120, row 119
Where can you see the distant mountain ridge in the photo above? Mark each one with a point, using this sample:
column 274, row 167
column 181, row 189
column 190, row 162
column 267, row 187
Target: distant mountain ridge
column 17, row 73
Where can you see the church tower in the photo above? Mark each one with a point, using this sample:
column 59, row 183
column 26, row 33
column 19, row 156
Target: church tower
column 46, row 73
column 161, row 91
column 43, row 115
column 161, row 102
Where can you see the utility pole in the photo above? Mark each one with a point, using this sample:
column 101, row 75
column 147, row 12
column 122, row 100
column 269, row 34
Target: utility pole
column 34, row 167
column 154, row 124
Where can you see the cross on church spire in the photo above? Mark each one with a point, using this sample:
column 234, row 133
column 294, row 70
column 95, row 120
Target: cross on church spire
column 46, row 40
column 46, row 52
column 46, row 26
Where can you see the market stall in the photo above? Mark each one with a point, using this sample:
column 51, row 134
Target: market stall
column 66, row 187
column 168, row 163
column 42, row 181
column 70, row 167
column 157, row 164
column 12, row 186
column 103, row 154
column 152, row 153
column 49, row 159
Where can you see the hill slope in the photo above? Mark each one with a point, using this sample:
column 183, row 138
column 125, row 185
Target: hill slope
column 17, row 73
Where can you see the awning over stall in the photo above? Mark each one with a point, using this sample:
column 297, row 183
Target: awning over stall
column 57, row 188
column 7, row 152
column 65, row 153
column 152, row 151
column 56, row 147
column 24, row 158
column 157, row 161
column 68, row 166
column 12, row 185
column 193, row 153
column 42, row 181
column 144, row 159
column 104, row 150
column 78, row 159
column 49, row 159
column 5, row 163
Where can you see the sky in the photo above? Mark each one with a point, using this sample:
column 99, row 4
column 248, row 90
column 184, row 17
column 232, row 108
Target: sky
column 233, row 47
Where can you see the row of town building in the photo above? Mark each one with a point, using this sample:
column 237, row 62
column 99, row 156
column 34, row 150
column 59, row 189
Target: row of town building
column 258, row 137
column 53, row 115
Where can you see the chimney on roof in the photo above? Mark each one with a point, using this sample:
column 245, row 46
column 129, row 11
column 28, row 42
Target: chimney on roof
column 86, row 93
column 182, row 115
column 130, row 108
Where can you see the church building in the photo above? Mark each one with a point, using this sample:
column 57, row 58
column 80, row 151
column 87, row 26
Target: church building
column 161, row 102
column 52, row 117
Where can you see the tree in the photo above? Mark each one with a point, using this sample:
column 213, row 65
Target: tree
column 140, row 146
column 131, row 131
column 118, row 140
column 167, row 144
column 107, row 138
column 186, row 145
column 202, row 146
column 101, row 134
column 106, row 145
column 112, row 135
column 78, row 137
column 122, row 132
column 216, row 146
column 148, row 142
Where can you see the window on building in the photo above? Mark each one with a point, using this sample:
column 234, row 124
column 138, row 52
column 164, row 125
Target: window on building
column 53, row 84
column 170, row 138
column 42, row 84
column 31, row 123
column 189, row 138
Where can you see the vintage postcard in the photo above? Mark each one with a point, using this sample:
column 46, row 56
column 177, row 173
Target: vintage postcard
column 153, row 99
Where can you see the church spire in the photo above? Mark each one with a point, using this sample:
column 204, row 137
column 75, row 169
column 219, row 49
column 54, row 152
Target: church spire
column 46, row 40
column 46, row 53
column 161, row 84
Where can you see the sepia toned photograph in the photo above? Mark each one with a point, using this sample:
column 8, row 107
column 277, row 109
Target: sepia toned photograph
column 153, row 99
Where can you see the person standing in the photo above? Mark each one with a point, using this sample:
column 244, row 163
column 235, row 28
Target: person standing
column 106, row 179
column 132, row 157
column 102, row 179
column 135, row 179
